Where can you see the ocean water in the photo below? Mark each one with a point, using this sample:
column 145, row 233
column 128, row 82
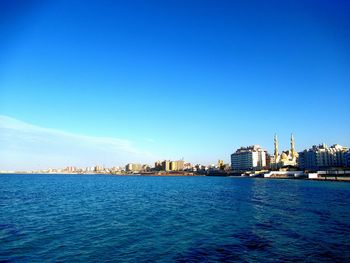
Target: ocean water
column 172, row 219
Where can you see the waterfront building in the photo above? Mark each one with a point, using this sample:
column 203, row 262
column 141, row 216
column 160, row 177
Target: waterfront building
column 71, row 169
column 173, row 166
column 322, row 156
column 180, row 165
column 177, row 165
column 188, row 166
column 286, row 158
column 268, row 159
column 166, row 165
column 98, row 168
column 346, row 158
column 221, row 164
column 146, row 168
column 248, row 158
column 201, row 169
column 158, row 165
column 133, row 167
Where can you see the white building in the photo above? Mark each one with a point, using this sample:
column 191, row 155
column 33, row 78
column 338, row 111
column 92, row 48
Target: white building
column 322, row 156
column 248, row 158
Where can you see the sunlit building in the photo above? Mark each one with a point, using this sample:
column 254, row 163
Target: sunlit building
column 248, row 158
column 286, row 158
column 322, row 156
column 133, row 167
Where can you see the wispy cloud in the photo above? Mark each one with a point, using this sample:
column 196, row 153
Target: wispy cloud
column 27, row 146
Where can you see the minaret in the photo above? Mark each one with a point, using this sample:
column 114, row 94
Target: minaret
column 276, row 149
column 292, row 149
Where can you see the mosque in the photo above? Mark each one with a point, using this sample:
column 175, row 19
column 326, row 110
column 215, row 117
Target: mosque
column 286, row 158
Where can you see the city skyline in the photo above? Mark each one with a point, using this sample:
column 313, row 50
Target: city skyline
column 117, row 82
column 42, row 148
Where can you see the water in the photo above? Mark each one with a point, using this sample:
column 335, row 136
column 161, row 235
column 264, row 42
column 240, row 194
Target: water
column 172, row 219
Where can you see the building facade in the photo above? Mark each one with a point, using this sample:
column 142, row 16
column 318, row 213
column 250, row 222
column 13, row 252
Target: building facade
column 248, row 158
column 286, row 158
column 322, row 156
column 346, row 158
column 133, row 167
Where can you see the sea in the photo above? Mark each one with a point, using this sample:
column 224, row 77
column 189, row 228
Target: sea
column 102, row 218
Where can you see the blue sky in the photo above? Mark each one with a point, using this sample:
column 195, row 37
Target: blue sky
column 172, row 79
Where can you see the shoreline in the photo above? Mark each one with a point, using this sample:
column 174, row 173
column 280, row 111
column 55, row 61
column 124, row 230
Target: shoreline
column 323, row 178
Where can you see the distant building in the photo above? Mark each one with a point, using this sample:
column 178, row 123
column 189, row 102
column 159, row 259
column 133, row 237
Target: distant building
column 98, row 168
column 346, row 158
column 248, row 158
column 71, row 169
column 177, row 165
column 133, row 167
column 166, row 165
column 322, row 156
column 221, row 164
column 146, row 168
column 268, row 159
column 158, row 166
column 188, row 166
column 286, row 158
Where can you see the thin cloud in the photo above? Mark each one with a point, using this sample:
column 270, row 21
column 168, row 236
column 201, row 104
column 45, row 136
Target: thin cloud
column 27, row 146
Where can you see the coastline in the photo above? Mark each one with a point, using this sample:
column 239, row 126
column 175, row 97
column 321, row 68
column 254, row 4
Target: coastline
column 330, row 178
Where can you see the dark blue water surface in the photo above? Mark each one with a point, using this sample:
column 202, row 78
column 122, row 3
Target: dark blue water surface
column 172, row 219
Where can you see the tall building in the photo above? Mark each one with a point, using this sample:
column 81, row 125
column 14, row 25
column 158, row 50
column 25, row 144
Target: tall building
column 177, row 165
column 166, row 165
column 173, row 165
column 98, row 168
column 322, row 156
column 180, row 165
column 248, row 158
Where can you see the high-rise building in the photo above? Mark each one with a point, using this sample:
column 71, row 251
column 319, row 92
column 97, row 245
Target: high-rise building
column 180, row 165
column 173, row 165
column 322, row 156
column 248, row 158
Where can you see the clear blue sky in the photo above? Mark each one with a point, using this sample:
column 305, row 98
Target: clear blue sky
column 192, row 79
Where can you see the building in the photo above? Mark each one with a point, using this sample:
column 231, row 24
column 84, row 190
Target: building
column 248, row 158
column 158, row 166
column 133, row 167
column 346, row 158
column 322, row 156
column 177, row 165
column 166, row 165
column 286, row 158
column 98, row 169
column 221, row 164
column 188, row 166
